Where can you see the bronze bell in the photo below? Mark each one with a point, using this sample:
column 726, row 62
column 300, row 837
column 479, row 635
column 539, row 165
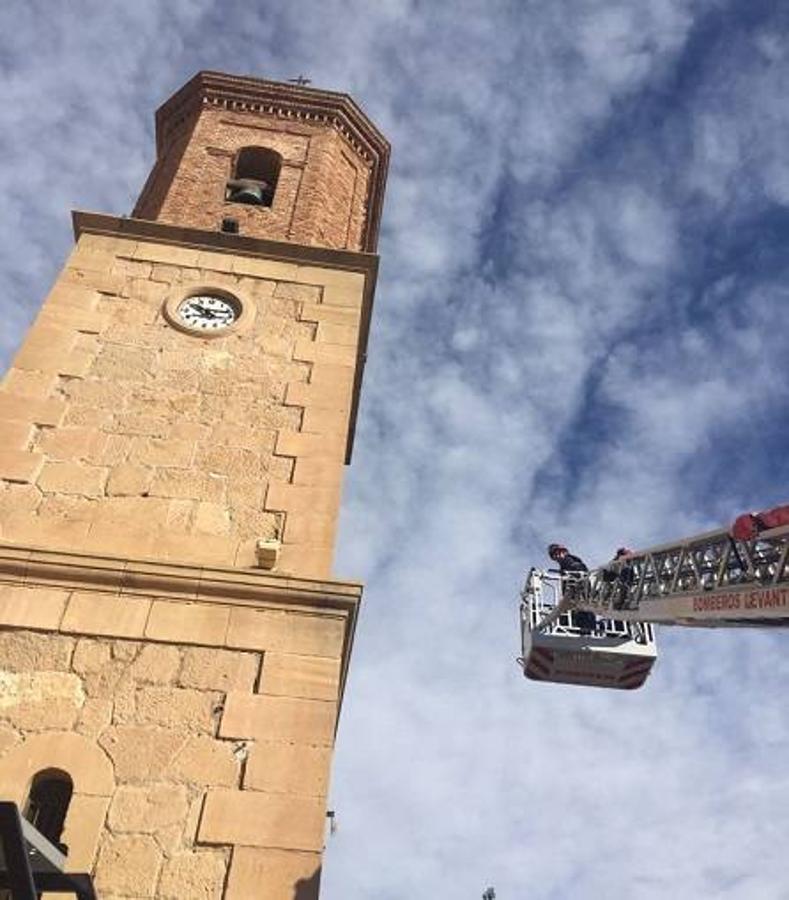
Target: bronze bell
column 245, row 190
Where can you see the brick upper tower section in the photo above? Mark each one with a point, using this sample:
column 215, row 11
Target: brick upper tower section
column 326, row 162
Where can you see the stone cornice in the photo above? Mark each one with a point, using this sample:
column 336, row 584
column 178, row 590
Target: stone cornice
column 36, row 566
column 218, row 241
column 151, row 578
column 288, row 101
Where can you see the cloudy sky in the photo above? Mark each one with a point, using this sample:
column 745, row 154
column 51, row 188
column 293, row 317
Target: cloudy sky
column 580, row 336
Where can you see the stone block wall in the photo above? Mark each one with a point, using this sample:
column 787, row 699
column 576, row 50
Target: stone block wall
column 321, row 197
column 198, row 735
column 123, row 435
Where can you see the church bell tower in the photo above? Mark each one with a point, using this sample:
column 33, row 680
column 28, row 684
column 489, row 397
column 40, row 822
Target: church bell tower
column 173, row 642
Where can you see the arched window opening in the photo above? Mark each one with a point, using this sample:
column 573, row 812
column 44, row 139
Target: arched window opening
column 48, row 802
column 255, row 176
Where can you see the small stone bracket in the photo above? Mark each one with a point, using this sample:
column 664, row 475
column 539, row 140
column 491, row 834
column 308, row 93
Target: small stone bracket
column 267, row 551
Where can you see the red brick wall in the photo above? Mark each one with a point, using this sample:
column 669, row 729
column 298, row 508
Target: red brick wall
column 321, row 197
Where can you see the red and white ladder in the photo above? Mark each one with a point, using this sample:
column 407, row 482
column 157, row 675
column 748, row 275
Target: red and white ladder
column 706, row 581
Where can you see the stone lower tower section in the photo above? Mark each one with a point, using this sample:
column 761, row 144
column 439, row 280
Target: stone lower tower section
column 174, row 645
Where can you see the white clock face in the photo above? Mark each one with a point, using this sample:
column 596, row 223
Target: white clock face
column 207, row 312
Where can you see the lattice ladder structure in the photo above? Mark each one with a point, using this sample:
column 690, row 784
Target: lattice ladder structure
column 706, row 581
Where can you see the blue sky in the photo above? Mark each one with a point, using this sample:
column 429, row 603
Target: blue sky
column 579, row 336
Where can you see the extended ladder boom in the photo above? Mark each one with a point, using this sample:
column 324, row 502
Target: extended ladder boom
column 718, row 579
column 708, row 580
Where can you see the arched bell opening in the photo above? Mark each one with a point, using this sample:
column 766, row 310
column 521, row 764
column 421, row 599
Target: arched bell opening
column 255, row 176
column 48, row 802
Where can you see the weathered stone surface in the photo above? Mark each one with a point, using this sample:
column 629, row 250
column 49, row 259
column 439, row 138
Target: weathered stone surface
column 26, row 651
column 273, row 875
column 20, row 465
column 90, row 655
column 84, row 825
column 196, row 623
column 134, row 423
column 157, row 664
column 61, row 506
column 129, row 480
column 31, row 384
column 119, row 363
column 141, row 752
column 219, row 670
column 212, row 518
column 124, row 707
column 180, row 514
column 287, row 632
column 128, row 866
column 26, row 607
column 235, row 462
column 307, row 293
column 104, row 682
column 289, row 768
column 278, row 718
column 15, row 498
column 258, row 819
column 254, row 523
column 233, row 434
column 163, row 452
column 72, row 478
column 178, row 708
column 181, row 484
column 196, row 876
column 129, row 513
column 107, row 614
column 171, row 839
column 152, row 290
column 147, row 809
column 40, row 700
column 131, row 268
column 193, row 819
column 126, row 650
column 70, row 443
column 287, row 674
column 206, row 761
column 8, row 738
column 95, row 717
column 21, row 408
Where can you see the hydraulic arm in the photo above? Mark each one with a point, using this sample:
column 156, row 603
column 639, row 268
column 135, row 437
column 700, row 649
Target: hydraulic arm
column 708, row 580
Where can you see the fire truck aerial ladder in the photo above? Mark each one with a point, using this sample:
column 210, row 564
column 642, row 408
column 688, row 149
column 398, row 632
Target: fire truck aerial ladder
column 714, row 580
